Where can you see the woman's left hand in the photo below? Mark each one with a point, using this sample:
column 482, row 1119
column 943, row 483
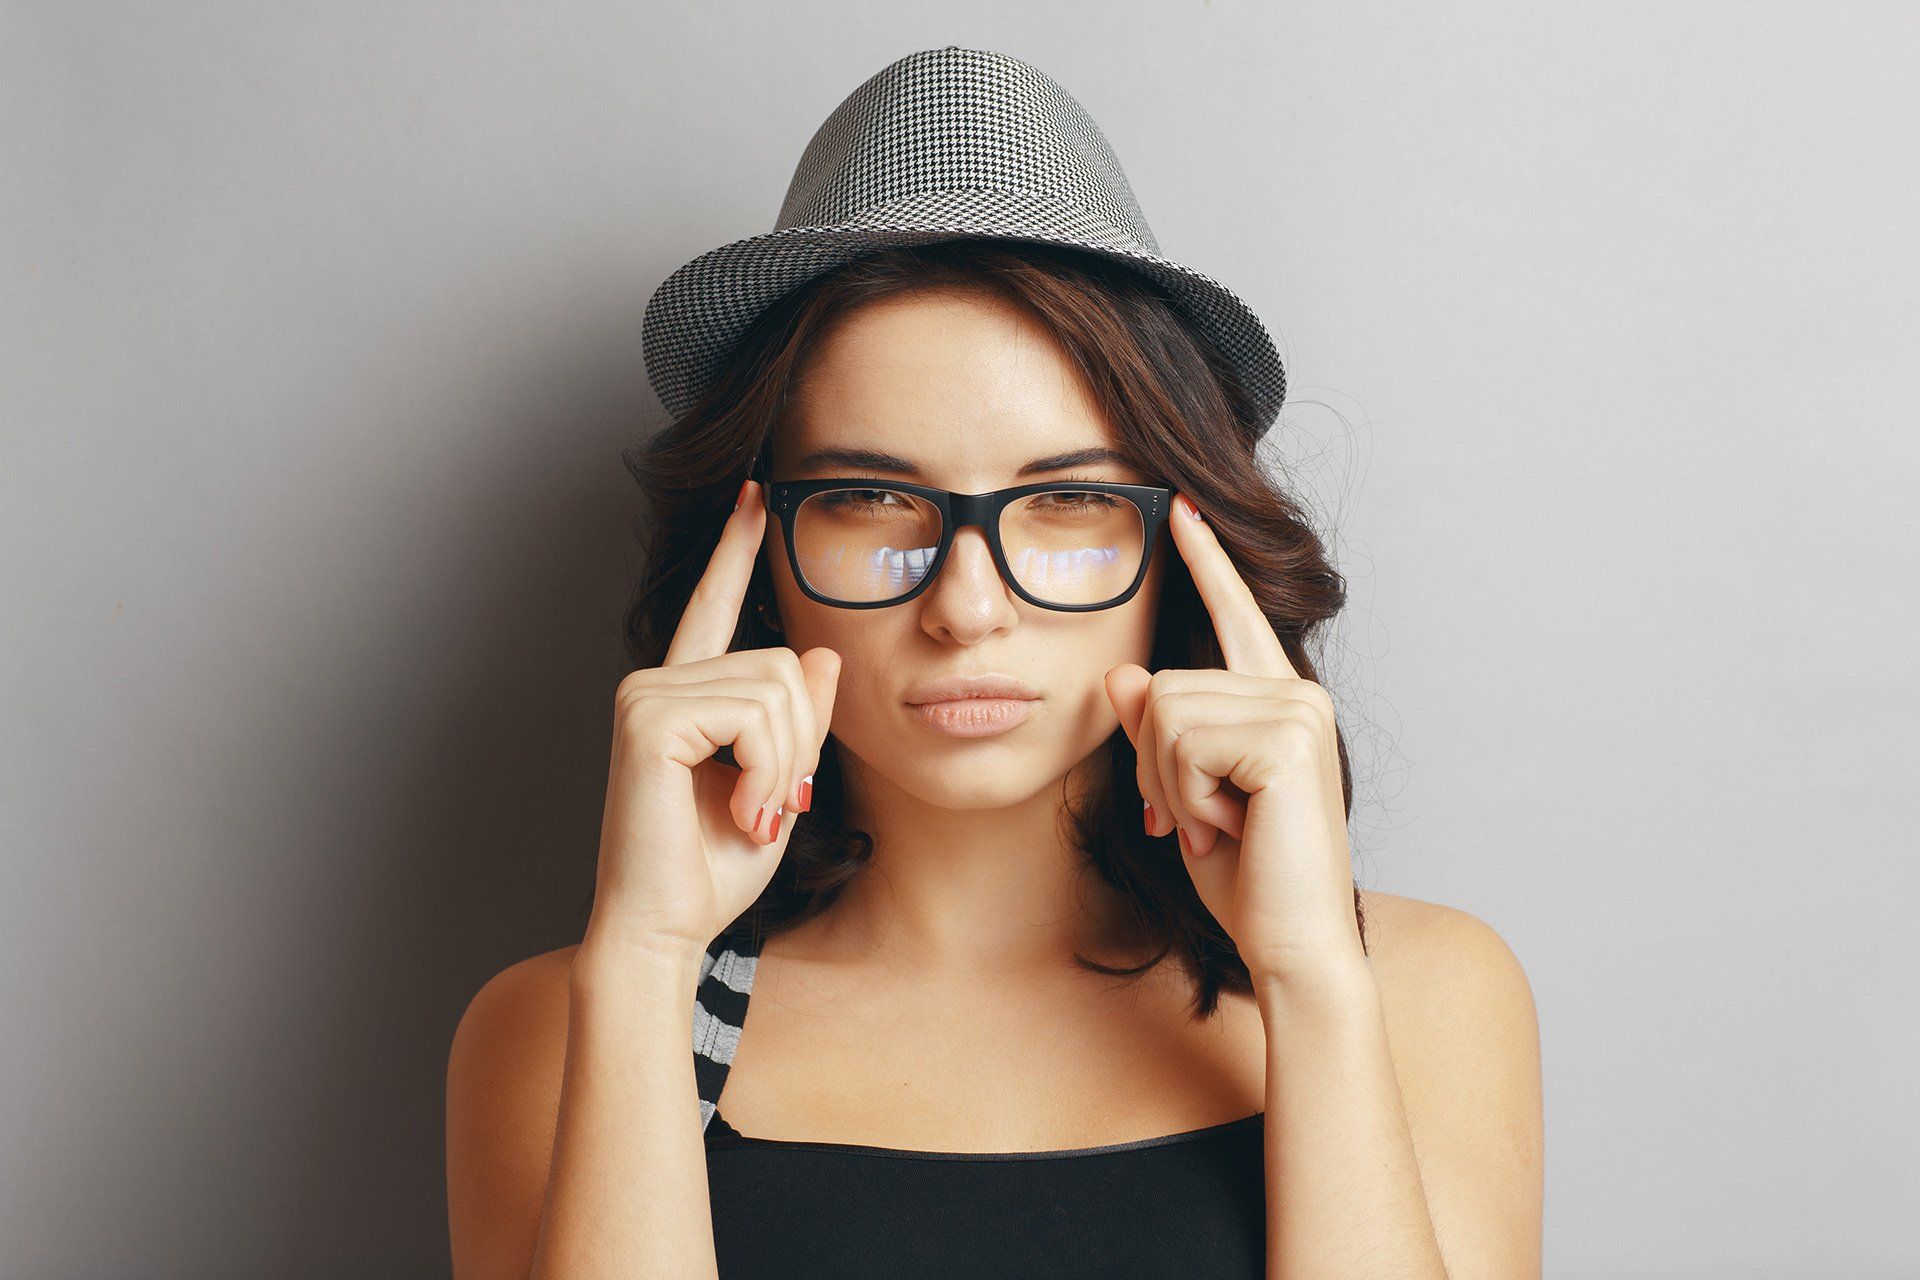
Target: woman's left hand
column 1244, row 761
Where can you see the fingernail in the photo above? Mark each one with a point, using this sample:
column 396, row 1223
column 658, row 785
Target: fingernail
column 774, row 833
column 1149, row 815
column 1185, row 847
column 742, row 495
column 757, row 815
column 1191, row 509
column 806, row 793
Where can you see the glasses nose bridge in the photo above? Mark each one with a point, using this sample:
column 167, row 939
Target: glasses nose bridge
column 972, row 510
column 966, row 509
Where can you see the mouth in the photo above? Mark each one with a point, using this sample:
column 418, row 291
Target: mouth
column 984, row 684
column 972, row 706
column 973, row 717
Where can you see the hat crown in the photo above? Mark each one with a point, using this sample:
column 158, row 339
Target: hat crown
column 957, row 119
column 943, row 144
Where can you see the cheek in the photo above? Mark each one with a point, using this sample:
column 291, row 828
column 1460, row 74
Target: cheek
column 867, row 640
column 1127, row 637
column 1142, row 620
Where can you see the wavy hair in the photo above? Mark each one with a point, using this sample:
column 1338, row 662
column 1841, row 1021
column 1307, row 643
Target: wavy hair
column 1175, row 409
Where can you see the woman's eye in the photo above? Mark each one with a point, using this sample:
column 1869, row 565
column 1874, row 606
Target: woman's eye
column 857, row 497
column 1080, row 499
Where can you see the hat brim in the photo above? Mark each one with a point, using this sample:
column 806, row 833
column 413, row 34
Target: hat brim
column 698, row 313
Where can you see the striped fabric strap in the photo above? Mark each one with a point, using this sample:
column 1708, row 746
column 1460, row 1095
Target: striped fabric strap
column 719, row 1011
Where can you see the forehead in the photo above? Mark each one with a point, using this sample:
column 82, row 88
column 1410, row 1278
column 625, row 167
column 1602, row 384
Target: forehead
column 966, row 384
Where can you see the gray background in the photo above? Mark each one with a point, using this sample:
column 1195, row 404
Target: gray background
column 321, row 335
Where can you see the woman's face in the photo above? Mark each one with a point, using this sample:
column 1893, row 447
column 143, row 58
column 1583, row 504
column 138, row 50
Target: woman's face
column 968, row 390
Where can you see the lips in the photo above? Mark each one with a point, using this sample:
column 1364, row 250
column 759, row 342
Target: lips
column 974, row 717
column 957, row 688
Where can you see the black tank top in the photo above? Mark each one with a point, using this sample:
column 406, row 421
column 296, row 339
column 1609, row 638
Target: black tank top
column 1185, row 1204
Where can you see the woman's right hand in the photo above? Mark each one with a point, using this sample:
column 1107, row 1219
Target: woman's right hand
column 687, row 843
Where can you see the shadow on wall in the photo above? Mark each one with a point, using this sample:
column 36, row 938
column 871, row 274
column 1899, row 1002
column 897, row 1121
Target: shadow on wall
column 476, row 820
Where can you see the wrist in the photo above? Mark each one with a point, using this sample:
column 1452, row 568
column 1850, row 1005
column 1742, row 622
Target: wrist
column 1331, row 984
column 618, row 961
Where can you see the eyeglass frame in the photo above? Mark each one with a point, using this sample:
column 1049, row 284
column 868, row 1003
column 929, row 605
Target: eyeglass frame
column 959, row 511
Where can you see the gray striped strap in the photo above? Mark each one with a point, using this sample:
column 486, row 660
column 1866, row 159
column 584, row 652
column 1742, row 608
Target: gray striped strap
column 719, row 1011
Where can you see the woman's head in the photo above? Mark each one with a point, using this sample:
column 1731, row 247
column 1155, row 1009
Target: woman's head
column 967, row 362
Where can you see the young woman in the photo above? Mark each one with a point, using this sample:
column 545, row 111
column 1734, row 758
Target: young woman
column 961, row 560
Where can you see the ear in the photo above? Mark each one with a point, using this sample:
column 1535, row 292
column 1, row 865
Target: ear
column 761, row 603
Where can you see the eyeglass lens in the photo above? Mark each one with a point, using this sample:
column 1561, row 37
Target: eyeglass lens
column 1065, row 546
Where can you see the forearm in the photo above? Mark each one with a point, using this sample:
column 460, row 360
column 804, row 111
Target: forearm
column 1343, row 1189
column 627, row 1190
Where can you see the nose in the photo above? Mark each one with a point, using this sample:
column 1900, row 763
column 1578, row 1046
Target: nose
column 968, row 599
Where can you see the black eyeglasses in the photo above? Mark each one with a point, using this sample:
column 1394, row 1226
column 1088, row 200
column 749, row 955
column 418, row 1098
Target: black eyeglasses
column 867, row 544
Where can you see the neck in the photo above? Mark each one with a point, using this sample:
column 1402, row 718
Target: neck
column 969, row 890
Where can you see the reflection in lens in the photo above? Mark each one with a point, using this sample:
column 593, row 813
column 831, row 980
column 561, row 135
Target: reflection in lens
column 1073, row 546
column 865, row 545
column 1039, row 570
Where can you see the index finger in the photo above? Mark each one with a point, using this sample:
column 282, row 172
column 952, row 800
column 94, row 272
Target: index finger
column 1247, row 639
column 713, row 610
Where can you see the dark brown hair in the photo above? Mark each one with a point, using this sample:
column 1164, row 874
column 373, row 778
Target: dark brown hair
column 1174, row 408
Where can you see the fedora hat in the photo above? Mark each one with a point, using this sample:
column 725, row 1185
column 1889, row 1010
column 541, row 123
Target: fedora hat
column 943, row 144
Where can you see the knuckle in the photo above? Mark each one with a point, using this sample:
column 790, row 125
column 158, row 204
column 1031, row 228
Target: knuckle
column 782, row 667
column 1295, row 737
column 633, row 684
column 1183, row 747
column 631, row 711
column 1316, row 696
column 780, row 694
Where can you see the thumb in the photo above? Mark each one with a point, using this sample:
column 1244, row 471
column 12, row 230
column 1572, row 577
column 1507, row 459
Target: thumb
column 1127, row 690
column 821, row 668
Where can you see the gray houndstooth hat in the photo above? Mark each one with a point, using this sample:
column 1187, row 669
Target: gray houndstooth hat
column 940, row 145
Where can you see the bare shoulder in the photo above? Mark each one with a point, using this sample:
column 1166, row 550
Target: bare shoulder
column 504, row 1073
column 517, row 1011
column 511, row 1041
column 1422, row 948
column 1444, row 971
column 1465, row 1041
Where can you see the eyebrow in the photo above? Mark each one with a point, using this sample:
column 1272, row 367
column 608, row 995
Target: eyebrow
column 879, row 460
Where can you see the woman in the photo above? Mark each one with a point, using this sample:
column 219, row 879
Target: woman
column 1002, row 570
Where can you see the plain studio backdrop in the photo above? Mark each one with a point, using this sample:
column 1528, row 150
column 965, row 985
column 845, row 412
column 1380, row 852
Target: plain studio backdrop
column 322, row 337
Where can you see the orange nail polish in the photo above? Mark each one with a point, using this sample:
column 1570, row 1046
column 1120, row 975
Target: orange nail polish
column 1148, row 818
column 806, row 793
column 774, row 832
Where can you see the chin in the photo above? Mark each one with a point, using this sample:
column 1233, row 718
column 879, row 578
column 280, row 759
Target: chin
column 960, row 773
column 996, row 784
